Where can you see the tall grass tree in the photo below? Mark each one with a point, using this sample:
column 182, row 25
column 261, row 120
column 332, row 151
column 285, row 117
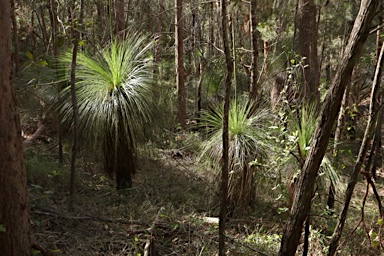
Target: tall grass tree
column 248, row 141
column 114, row 92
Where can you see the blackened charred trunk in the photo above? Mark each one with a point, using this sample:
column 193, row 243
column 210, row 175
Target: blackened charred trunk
column 125, row 166
column 119, row 157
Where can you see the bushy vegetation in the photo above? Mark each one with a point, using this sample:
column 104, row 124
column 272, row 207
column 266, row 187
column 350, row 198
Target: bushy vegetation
column 127, row 103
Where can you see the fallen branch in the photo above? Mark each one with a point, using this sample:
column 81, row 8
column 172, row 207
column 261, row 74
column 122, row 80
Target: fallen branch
column 379, row 204
column 149, row 247
column 92, row 218
column 41, row 249
column 30, row 139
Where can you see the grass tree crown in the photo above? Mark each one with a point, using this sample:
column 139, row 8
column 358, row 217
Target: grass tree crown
column 114, row 92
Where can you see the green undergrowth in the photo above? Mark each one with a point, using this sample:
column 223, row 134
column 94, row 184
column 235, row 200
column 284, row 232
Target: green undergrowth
column 172, row 206
column 166, row 208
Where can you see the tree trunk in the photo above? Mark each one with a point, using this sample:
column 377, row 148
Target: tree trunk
column 360, row 158
column 119, row 157
column 255, row 52
column 339, row 127
column 14, row 205
column 125, row 165
column 156, row 55
column 302, row 201
column 119, row 19
column 180, row 73
column 16, row 57
column 76, row 39
column 55, row 49
column 307, row 26
column 225, row 136
column 375, row 155
column 211, row 39
column 200, row 86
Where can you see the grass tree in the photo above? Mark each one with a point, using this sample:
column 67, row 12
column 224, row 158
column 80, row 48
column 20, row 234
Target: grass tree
column 247, row 143
column 114, row 89
column 300, row 126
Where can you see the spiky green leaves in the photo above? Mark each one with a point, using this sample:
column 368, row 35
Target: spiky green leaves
column 248, row 142
column 247, row 133
column 114, row 91
column 300, row 127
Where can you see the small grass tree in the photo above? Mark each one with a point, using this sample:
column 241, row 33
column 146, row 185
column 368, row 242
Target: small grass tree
column 114, row 91
column 247, row 143
column 300, row 125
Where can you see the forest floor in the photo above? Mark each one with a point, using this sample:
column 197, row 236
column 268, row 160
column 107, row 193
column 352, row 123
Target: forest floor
column 171, row 209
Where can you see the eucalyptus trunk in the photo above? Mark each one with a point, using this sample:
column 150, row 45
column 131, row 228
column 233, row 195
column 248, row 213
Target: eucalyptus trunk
column 14, row 204
column 225, row 136
column 75, row 143
column 255, row 52
column 119, row 19
column 307, row 26
column 180, row 72
column 16, row 57
column 338, row 134
column 375, row 158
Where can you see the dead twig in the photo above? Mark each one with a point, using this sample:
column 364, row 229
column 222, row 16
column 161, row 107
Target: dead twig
column 92, row 218
column 40, row 248
column 379, row 204
column 149, row 245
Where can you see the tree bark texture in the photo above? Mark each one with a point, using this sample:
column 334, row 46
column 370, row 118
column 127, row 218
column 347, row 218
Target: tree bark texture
column 338, row 133
column 55, row 50
column 225, row 135
column 375, row 158
column 302, row 200
column 156, row 55
column 179, row 55
column 16, row 57
column 14, row 205
column 307, row 27
column 119, row 157
column 75, row 110
column 199, row 87
column 360, row 158
column 119, row 19
column 255, row 52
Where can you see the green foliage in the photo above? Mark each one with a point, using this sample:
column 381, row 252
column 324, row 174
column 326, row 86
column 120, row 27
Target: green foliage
column 267, row 243
column 36, row 85
column 268, row 29
column 45, row 175
column 114, row 92
column 2, row 228
column 301, row 129
column 247, row 133
column 248, row 141
column 295, row 142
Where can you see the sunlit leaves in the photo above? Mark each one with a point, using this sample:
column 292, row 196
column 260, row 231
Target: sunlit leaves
column 114, row 88
column 247, row 133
